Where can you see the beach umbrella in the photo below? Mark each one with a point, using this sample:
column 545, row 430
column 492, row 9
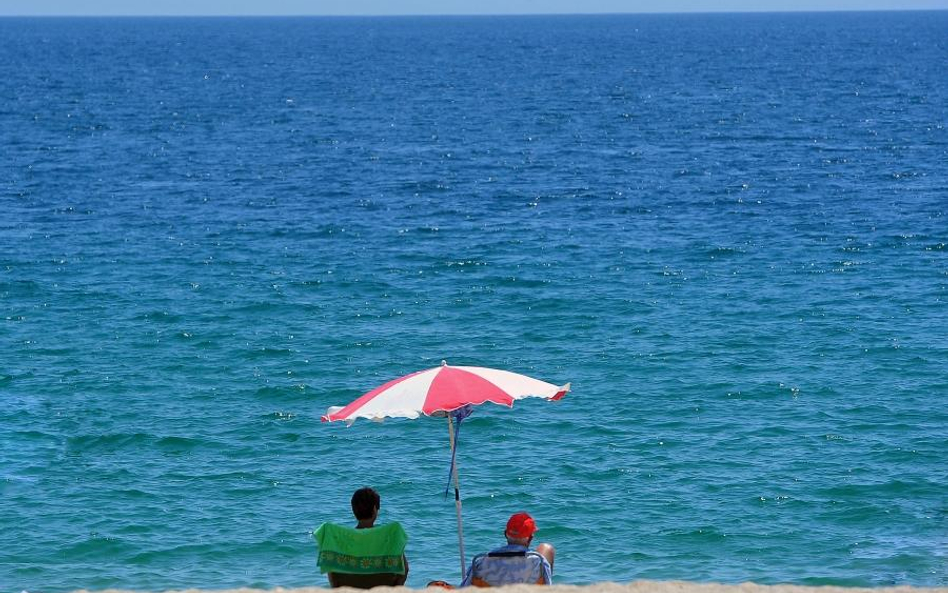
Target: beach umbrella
column 448, row 391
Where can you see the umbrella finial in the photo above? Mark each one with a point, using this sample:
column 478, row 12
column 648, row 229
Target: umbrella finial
column 444, row 363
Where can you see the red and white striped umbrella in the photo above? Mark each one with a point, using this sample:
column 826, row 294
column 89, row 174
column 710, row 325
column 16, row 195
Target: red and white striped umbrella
column 443, row 389
column 449, row 391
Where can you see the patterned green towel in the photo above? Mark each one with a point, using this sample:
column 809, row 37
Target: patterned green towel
column 361, row 551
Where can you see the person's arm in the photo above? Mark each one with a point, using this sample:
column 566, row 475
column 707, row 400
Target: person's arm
column 547, row 572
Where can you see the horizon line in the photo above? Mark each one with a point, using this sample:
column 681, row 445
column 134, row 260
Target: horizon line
column 464, row 14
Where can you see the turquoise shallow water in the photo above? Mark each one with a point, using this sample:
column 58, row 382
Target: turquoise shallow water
column 727, row 232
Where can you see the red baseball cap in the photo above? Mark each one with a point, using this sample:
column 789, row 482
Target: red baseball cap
column 521, row 526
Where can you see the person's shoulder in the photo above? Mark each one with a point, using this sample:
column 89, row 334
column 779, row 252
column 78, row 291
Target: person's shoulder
column 539, row 558
column 391, row 532
column 509, row 548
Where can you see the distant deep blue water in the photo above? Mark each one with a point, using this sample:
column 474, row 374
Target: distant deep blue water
column 729, row 232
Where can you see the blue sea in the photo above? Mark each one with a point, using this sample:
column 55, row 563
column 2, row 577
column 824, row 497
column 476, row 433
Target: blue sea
column 728, row 232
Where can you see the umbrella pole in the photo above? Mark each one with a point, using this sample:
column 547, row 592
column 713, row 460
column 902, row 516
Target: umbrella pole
column 457, row 493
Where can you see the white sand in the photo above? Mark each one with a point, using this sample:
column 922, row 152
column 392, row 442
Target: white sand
column 636, row 587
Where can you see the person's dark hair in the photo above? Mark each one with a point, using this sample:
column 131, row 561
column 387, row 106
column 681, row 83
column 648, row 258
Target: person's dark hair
column 364, row 503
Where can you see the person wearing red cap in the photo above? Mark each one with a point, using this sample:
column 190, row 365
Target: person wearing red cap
column 514, row 563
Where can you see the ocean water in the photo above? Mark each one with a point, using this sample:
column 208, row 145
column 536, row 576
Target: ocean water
column 728, row 232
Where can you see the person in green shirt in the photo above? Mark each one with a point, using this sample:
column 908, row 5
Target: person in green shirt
column 366, row 503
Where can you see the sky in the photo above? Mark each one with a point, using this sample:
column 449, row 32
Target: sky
column 418, row 7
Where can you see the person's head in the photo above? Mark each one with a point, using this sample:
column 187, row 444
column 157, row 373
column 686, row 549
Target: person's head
column 365, row 504
column 520, row 529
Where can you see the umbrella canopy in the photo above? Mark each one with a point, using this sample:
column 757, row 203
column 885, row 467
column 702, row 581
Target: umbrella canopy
column 444, row 389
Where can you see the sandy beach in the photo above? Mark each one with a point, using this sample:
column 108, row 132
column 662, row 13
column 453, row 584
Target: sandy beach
column 634, row 587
